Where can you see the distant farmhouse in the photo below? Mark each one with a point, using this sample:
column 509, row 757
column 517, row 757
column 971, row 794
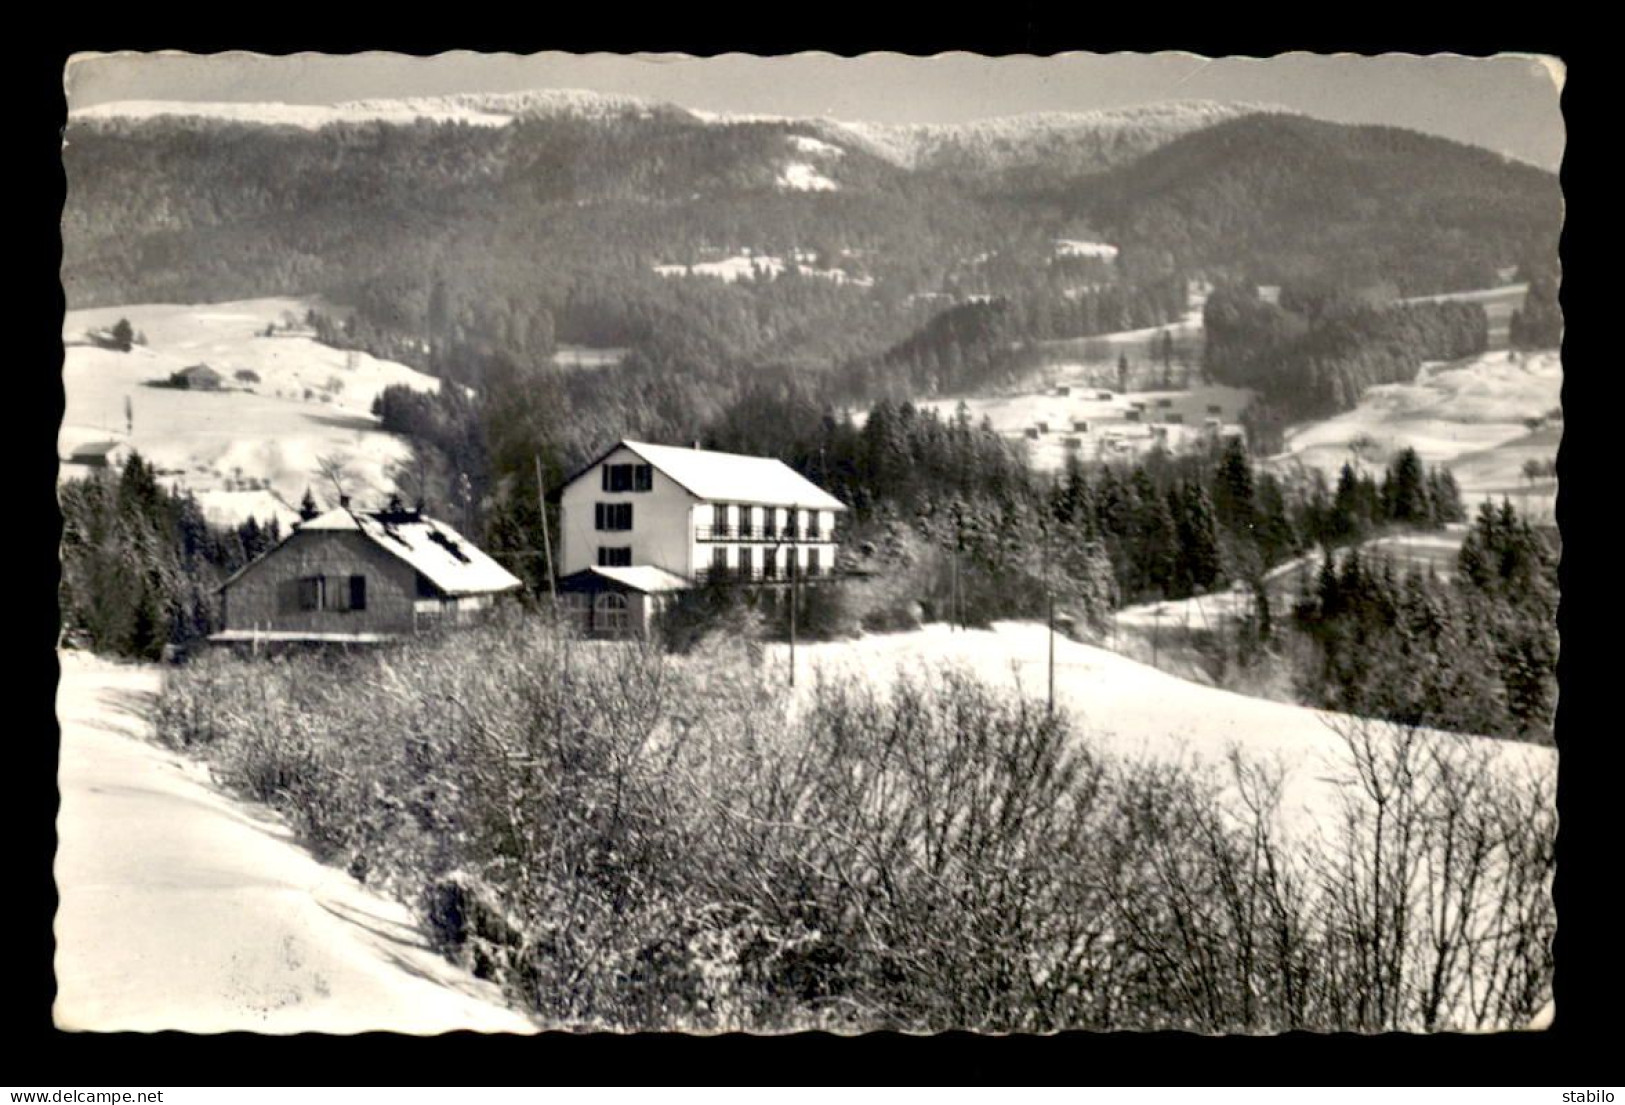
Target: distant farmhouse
column 101, row 454
column 643, row 522
column 198, row 377
column 358, row 577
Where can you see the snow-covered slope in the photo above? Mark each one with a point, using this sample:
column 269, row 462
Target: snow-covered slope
column 1129, row 708
column 182, row 909
column 307, row 116
column 241, row 449
column 489, row 109
column 1088, row 136
column 1483, row 418
column 1077, row 140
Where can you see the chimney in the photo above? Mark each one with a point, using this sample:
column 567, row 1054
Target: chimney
column 344, row 501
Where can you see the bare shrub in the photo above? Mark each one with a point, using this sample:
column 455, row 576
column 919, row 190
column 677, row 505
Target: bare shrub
column 628, row 839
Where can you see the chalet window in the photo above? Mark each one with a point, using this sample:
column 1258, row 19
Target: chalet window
column 613, row 557
column 358, row 592
column 770, row 563
column 312, row 590
column 628, row 477
column 812, row 562
column 612, row 516
column 746, row 562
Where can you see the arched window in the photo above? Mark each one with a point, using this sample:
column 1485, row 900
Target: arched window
column 610, row 613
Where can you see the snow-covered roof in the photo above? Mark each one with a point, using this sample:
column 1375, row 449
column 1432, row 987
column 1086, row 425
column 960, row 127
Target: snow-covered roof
column 645, row 578
column 448, row 560
column 735, row 478
column 98, row 448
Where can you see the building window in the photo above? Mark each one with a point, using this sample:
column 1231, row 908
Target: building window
column 614, row 557
column 719, row 560
column 610, row 614
column 747, row 520
column 719, row 520
column 312, row 593
column 629, row 477
column 344, row 593
column 813, row 525
column 746, row 563
column 612, row 516
column 770, row 563
column 812, row 561
column 770, row 522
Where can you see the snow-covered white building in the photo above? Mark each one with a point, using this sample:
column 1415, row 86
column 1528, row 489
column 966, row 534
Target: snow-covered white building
column 645, row 521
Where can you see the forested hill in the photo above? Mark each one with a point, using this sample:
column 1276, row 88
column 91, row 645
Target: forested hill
column 596, row 223
column 1283, row 199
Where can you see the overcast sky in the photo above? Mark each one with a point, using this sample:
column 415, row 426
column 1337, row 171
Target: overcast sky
column 1506, row 103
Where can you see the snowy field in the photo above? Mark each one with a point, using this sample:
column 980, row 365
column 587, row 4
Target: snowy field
column 1101, row 429
column 184, row 909
column 245, row 452
column 1129, row 708
column 748, row 265
column 587, row 356
column 1473, row 416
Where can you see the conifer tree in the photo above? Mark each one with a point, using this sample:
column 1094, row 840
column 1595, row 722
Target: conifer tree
column 1199, row 563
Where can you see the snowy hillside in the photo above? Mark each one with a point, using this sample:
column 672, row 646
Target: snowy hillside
column 1019, row 139
column 1483, row 418
column 306, row 116
column 486, row 109
column 1088, row 140
column 1128, row 708
column 184, row 909
column 252, row 448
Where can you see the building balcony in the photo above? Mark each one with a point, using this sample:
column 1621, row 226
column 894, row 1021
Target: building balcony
column 758, row 535
column 780, row 576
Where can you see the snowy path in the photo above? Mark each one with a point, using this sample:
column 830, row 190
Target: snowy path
column 184, row 909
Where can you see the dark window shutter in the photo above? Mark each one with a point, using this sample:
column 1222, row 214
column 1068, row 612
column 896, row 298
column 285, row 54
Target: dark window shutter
column 645, row 478
column 606, row 477
column 598, row 511
column 358, row 592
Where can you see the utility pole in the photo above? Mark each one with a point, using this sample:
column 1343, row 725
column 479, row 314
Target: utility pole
column 1049, row 600
column 793, row 558
column 547, row 541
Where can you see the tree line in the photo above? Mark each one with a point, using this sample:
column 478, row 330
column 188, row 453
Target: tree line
column 1313, row 359
column 140, row 563
column 1476, row 654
